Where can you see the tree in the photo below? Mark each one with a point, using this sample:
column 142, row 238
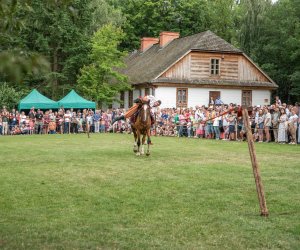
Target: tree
column 277, row 49
column 50, row 35
column 150, row 17
column 15, row 60
column 101, row 80
column 250, row 16
column 9, row 96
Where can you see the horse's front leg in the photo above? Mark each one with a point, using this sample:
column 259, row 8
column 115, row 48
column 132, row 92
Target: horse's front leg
column 138, row 143
column 148, row 141
column 143, row 143
column 135, row 147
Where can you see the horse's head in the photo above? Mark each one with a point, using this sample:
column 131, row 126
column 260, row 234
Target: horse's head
column 145, row 112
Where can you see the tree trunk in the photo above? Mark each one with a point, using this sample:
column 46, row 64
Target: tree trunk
column 54, row 69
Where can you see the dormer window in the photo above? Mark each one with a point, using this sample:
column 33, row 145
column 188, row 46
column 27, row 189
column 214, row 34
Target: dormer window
column 214, row 67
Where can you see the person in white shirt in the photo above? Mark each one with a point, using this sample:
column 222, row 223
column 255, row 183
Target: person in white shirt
column 216, row 126
column 67, row 118
column 22, row 118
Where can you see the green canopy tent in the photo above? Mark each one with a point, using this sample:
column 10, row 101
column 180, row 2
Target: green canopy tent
column 73, row 100
column 37, row 100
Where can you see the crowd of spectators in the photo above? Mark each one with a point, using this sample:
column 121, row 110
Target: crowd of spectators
column 52, row 122
column 278, row 122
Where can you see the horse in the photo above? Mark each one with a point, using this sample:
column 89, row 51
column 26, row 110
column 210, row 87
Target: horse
column 142, row 126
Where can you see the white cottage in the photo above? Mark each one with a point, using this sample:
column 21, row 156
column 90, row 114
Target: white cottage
column 188, row 71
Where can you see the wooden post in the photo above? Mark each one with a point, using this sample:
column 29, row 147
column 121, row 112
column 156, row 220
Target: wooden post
column 256, row 173
column 88, row 128
column 155, row 131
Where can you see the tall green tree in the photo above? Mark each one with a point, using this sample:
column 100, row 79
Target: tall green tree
column 101, row 80
column 250, row 15
column 150, row 17
column 15, row 59
column 50, row 33
column 277, row 49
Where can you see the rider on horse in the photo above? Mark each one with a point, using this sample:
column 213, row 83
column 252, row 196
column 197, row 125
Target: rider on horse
column 137, row 104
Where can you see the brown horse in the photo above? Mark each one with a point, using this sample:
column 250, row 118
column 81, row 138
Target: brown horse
column 142, row 126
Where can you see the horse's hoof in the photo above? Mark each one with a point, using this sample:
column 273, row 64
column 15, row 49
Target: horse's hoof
column 138, row 154
column 134, row 150
column 147, row 154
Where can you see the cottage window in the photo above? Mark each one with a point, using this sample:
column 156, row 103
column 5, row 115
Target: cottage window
column 214, row 66
column 182, row 97
column 247, row 98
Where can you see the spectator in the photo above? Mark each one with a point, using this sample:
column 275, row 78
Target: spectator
column 39, row 122
column 277, row 101
column 67, row 120
column 292, row 125
column 97, row 121
column 218, row 101
column 0, row 125
column 282, row 135
column 74, row 123
column 210, row 115
column 260, row 123
column 232, row 123
column 52, row 127
column 267, row 123
column 216, row 126
column 275, row 123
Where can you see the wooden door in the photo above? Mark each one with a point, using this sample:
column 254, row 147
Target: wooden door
column 214, row 95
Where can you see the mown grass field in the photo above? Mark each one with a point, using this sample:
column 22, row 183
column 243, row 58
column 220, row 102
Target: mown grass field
column 71, row 192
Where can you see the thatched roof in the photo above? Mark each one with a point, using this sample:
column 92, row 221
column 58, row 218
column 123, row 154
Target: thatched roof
column 145, row 67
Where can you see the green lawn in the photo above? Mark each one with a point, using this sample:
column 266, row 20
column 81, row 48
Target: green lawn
column 71, row 192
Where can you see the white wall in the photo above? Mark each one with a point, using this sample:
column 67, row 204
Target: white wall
column 167, row 95
column 200, row 96
column 196, row 96
column 261, row 97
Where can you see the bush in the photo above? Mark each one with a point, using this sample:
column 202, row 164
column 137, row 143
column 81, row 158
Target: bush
column 9, row 96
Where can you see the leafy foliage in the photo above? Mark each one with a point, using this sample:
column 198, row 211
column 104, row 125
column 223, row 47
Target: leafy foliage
column 44, row 44
column 9, row 96
column 277, row 48
column 100, row 80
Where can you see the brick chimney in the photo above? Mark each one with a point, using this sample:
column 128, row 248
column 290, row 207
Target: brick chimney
column 147, row 42
column 166, row 37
